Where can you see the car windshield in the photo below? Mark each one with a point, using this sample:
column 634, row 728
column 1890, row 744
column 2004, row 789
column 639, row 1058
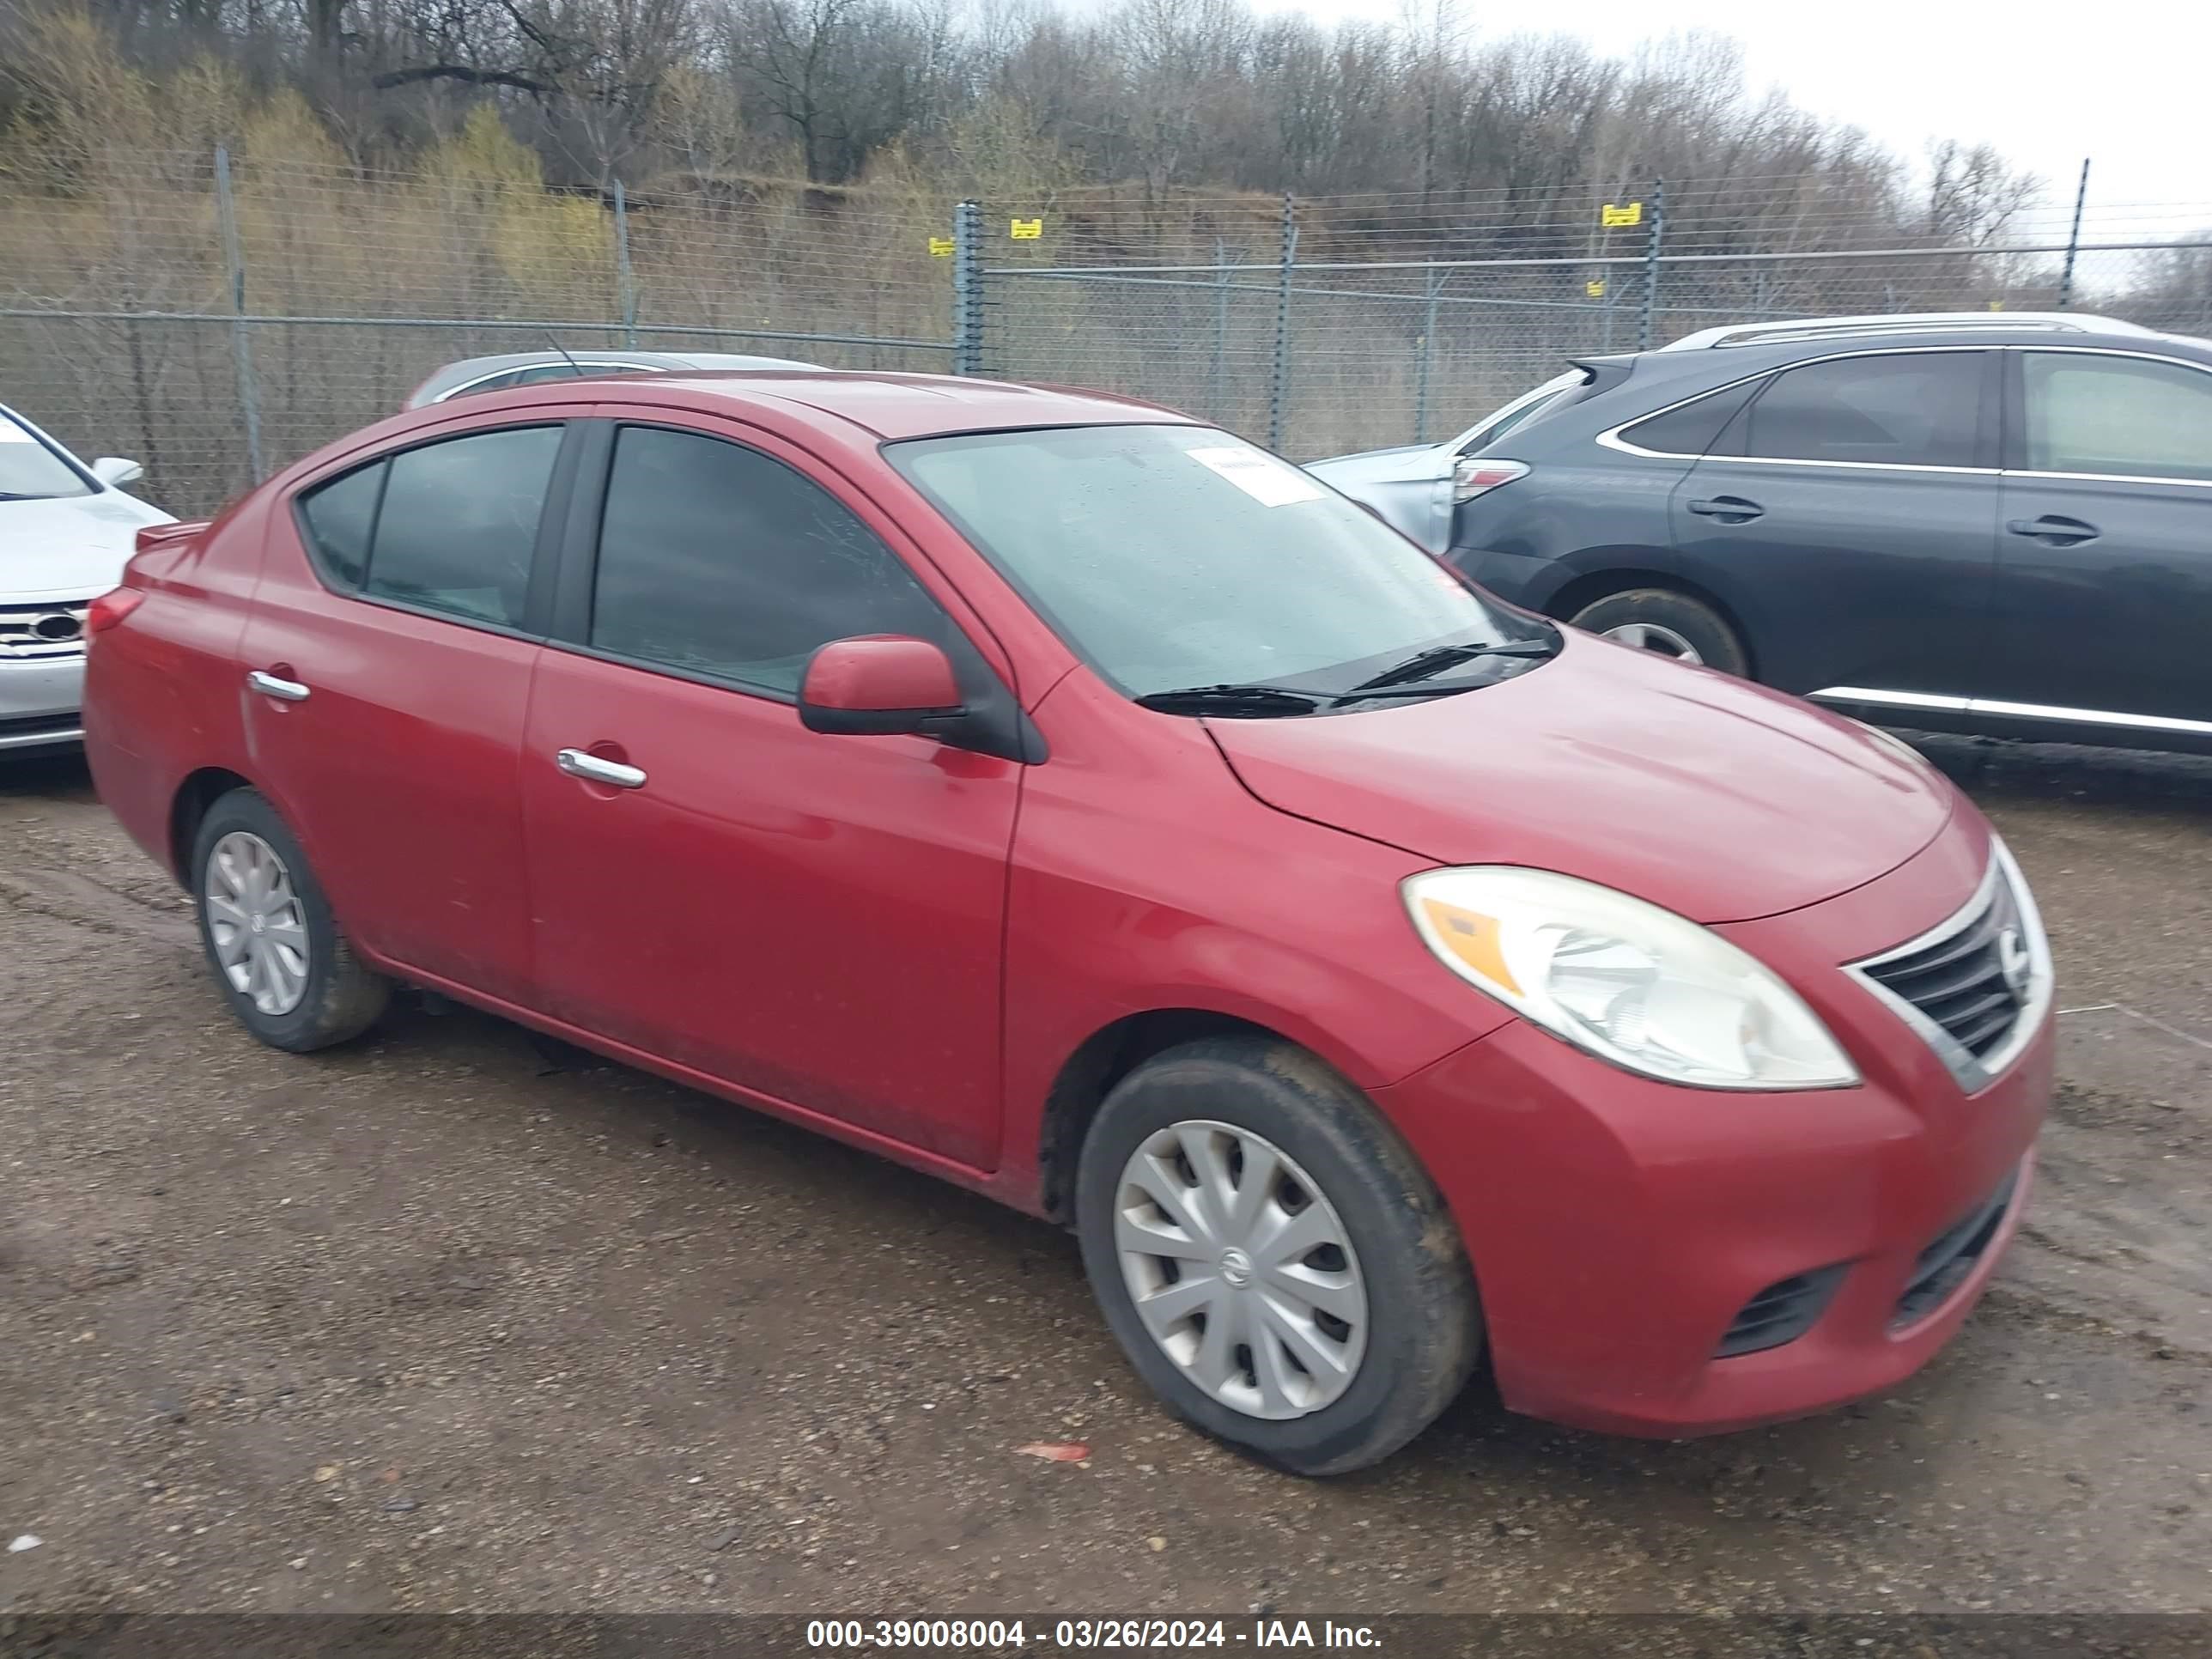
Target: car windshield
column 1172, row 557
column 31, row 472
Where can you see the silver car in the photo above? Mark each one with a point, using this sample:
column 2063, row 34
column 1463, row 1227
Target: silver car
column 512, row 369
column 65, row 531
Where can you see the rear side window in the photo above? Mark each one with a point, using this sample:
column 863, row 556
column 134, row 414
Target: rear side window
column 450, row 527
column 1692, row 429
column 340, row 519
column 1911, row 409
column 716, row 560
column 2123, row 416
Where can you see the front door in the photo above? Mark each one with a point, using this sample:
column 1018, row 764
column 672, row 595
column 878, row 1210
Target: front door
column 813, row 919
column 2104, row 598
column 1848, row 515
column 392, row 637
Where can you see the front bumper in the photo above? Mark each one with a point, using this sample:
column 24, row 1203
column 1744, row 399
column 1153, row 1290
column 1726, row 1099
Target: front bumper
column 1620, row 1227
column 40, row 704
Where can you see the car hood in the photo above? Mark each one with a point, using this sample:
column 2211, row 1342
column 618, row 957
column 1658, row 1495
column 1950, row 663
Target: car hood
column 70, row 548
column 1716, row 798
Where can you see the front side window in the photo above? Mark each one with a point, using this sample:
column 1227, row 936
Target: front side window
column 716, row 560
column 1178, row 556
column 1902, row 409
column 450, row 527
column 31, row 472
column 2125, row 416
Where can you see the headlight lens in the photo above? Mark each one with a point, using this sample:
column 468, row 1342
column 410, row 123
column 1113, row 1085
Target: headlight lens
column 1635, row 985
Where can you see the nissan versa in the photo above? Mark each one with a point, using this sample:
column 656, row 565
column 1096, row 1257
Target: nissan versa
column 1070, row 799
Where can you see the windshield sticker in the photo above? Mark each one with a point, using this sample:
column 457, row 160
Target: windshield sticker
column 12, row 434
column 1268, row 480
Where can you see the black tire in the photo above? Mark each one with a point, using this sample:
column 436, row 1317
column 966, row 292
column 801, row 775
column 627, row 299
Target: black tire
column 342, row 998
column 1704, row 629
column 1425, row 1323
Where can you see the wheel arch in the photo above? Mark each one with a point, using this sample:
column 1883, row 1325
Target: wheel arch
column 1102, row 1059
column 188, row 809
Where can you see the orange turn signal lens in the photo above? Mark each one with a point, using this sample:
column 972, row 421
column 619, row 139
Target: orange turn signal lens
column 1474, row 939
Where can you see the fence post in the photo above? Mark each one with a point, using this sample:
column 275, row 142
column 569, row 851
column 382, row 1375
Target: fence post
column 1652, row 265
column 625, row 279
column 241, row 342
column 2074, row 239
column 967, row 289
column 1218, row 392
column 1428, row 355
column 1278, row 383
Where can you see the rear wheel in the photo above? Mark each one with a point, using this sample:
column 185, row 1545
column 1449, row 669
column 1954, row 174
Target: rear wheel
column 1272, row 1259
column 1670, row 623
column 282, row 960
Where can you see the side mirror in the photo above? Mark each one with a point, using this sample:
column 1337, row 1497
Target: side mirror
column 115, row 473
column 877, row 686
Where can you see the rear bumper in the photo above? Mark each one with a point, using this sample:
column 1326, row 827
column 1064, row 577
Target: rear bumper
column 1620, row 1227
column 39, row 704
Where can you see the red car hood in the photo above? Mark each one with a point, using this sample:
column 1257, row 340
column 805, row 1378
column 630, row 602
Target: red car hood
column 1719, row 799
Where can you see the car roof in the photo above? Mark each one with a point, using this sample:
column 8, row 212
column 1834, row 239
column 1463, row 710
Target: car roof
column 892, row 406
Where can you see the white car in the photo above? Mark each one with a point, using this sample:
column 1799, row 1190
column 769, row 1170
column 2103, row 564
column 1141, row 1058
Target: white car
column 65, row 530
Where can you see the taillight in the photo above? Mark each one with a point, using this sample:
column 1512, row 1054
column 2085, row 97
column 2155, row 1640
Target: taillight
column 111, row 608
column 1471, row 477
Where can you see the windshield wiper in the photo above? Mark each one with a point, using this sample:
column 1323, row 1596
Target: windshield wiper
column 21, row 496
column 1425, row 664
column 1252, row 701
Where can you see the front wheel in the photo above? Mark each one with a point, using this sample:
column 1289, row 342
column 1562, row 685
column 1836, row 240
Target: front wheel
column 283, row 964
column 1271, row 1257
column 1672, row 624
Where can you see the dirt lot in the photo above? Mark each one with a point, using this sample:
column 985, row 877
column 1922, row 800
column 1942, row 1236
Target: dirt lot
column 447, row 1320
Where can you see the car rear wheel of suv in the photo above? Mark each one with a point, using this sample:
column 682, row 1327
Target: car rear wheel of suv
column 1673, row 624
column 1271, row 1257
column 280, row 956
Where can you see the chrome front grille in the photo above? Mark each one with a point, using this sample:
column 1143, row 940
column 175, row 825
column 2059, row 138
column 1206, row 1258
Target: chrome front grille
column 1977, row 985
column 40, row 633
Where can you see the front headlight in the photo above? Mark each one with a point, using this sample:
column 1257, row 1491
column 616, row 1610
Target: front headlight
column 1638, row 986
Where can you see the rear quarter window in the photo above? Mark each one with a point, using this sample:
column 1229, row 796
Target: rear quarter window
column 1693, row 428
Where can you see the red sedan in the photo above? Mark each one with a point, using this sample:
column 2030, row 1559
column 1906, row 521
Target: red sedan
column 1066, row 798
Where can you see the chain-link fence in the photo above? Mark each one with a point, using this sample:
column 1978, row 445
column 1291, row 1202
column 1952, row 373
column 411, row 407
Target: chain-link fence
column 215, row 318
column 1323, row 327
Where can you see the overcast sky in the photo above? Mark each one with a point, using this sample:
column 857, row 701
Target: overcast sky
column 2126, row 82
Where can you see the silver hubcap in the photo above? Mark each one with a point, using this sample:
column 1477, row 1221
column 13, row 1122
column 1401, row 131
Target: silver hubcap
column 1241, row 1269
column 257, row 923
column 1651, row 636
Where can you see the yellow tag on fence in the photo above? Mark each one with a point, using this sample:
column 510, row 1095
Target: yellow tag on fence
column 1632, row 215
column 941, row 246
column 1025, row 230
column 1596, row 290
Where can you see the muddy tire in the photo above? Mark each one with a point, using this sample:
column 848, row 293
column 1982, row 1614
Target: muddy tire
column 1238, row 1187
column 279, row 956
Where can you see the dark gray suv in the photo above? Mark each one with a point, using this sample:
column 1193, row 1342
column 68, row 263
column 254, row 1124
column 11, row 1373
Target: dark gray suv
column 1980, row 522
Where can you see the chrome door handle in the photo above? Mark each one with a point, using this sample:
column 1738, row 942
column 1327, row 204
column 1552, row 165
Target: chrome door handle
column 577, row 764
column 270, row 686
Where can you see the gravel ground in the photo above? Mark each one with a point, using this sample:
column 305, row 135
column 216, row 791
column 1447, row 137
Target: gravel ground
column 450, row 1320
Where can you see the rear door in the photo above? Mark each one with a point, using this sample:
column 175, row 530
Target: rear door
column 389, row 655
column 1848, row 516
column 815, row 920
column 2104, row 597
